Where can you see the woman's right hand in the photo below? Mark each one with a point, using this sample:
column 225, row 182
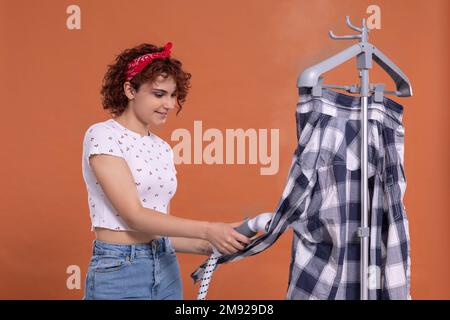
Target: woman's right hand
column 224, row 238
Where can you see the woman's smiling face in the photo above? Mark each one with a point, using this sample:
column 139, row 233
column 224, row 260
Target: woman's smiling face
column 153, row 101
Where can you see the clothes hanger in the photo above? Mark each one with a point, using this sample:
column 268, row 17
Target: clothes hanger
column 365, row 51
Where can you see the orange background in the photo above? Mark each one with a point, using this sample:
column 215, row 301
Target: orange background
column 245, row 57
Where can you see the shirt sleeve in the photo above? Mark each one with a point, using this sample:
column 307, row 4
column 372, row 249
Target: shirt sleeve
column 101, row 140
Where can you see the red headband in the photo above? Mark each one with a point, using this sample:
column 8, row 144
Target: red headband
column 136, row 66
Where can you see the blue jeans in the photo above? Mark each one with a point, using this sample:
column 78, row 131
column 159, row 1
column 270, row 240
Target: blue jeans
column 148, row 271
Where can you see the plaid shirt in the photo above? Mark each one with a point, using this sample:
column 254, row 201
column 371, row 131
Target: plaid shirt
column 321, row 202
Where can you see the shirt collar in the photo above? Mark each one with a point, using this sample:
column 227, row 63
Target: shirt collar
column 128, row 131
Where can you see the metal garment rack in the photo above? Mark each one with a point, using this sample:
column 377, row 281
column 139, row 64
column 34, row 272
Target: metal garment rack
column 364, row 53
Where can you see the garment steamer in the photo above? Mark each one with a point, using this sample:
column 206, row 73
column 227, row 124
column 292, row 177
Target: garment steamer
column 311, row 77
column 249, row 228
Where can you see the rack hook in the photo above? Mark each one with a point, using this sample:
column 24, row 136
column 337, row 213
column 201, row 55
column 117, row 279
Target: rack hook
column 347, row 20
column 333, row 36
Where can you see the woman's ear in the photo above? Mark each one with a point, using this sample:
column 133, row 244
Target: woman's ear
column 129, row 90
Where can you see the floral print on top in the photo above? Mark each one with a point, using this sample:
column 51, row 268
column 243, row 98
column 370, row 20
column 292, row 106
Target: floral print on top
column 150, row 160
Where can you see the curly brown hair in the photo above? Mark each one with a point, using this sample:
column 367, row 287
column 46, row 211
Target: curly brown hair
column 113, row 96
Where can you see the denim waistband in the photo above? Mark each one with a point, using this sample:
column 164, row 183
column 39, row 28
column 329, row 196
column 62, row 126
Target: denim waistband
column 141, row 249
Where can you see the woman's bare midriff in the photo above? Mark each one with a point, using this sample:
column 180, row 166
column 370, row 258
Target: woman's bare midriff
column 123, row 237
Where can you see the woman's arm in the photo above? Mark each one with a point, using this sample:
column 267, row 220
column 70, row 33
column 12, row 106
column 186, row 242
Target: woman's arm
column 187, row 245
column 194, row 246
column 117, row 182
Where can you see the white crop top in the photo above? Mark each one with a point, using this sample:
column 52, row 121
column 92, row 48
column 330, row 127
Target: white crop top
column 150, row 160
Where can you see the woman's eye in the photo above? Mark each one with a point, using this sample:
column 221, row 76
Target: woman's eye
column 159, row 95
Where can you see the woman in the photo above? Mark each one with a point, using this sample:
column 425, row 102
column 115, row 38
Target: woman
column 130, row 178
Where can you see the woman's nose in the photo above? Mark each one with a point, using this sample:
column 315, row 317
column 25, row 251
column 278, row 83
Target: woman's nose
column 170, row 103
